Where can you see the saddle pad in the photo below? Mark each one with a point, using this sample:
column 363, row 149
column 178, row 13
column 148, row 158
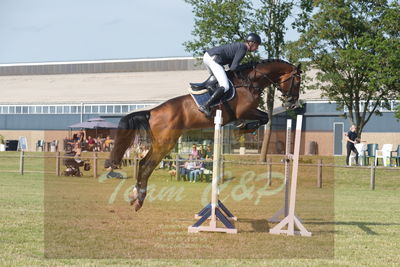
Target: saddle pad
column 200, row 97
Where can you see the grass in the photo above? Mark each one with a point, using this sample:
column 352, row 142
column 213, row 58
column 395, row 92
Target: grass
column 55, row 221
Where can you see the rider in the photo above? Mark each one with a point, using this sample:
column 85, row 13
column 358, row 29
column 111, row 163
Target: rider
column 231, row 54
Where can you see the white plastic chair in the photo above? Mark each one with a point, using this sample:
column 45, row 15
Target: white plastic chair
column 384, row 154
column 361, row 148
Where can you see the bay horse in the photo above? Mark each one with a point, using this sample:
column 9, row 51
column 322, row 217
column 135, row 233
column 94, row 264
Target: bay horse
column 164, row 124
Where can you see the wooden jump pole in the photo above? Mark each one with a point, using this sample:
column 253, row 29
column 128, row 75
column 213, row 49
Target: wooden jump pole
column 283, row 212
column 215, row 211
column 291, row 221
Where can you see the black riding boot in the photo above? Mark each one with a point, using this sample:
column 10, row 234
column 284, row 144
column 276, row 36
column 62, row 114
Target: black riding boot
column 213, row 99
column 210, row 82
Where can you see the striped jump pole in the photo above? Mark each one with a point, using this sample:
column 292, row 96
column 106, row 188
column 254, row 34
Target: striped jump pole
column 215, row 211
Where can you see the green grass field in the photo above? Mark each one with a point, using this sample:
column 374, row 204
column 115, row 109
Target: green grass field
column 47, row 220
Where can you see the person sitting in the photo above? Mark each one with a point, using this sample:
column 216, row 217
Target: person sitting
column 195, row 171
column 185, row 168
column 107, row 144
column 91, row 143
column 231, row 54
column 202, row 153
column 194, row 153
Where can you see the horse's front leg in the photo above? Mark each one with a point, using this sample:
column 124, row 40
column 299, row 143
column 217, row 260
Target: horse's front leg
column 260, row 118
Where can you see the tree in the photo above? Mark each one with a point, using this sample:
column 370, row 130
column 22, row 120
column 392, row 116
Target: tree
column 222, row 21
column 218, row 22
column 355, row 46
column 270, row 19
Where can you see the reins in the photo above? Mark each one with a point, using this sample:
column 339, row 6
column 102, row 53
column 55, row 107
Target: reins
column 248, row 81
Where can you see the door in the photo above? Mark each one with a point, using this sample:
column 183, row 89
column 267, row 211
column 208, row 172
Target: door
column 338, row 130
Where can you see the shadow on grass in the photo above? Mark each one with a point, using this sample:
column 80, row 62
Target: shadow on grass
column 259, row 226
column 365, row 226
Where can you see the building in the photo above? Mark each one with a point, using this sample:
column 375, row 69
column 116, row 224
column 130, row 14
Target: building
column 40, row 100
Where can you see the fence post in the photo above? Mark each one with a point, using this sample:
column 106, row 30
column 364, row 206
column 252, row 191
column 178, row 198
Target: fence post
column 21, row 162
column 135, row 167
column 177, row 166
column 319, row 173
column 95, row 159
column 269, row 171
column 58, row 163
column 372, row 181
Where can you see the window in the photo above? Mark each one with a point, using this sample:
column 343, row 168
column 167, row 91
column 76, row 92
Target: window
column 31, row 109
column 67, row 109
column 25, row 110
column 132, row 107
column 102, row 109
column 59, row 109
column 4, row 110
column 18, row 110
column 11, row 110
column 95, row 109
column 52, row 109
column 38, row 109
column 117, row 109
column 125, row 108
column 110, row 109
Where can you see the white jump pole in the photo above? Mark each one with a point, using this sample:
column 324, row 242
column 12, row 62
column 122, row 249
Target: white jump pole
column 215, row 210
column 283, row 212
column 291, row 220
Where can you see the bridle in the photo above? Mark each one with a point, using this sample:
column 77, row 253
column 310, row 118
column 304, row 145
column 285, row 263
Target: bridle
column 276, row 84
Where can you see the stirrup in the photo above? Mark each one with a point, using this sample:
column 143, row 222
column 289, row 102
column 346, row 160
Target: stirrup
column 205, row 110
column 210, row 82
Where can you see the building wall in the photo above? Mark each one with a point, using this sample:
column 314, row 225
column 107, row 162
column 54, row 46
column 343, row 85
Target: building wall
column 33, row 136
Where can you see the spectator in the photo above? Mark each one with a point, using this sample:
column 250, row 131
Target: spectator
column 194, row 151
column 107, row 144
column 91, row 143
column 209, row 152
column 81, row 136
column 99, row 144
column 202, row 153
column 185, row 168
column 195, row 171
column 351, row 138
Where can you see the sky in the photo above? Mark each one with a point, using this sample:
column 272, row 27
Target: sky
column 76, row 30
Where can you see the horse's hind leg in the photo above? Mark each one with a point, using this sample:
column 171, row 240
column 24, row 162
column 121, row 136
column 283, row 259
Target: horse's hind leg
column 146, row 167
column 122, row 142
column 164, row 141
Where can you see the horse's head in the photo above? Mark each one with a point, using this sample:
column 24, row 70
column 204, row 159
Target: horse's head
column 289, row 85
column 281, row 74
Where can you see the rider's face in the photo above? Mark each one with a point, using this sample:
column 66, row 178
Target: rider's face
column 253, row 47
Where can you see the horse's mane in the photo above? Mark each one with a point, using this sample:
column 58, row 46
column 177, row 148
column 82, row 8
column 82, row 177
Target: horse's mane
column 252, row 64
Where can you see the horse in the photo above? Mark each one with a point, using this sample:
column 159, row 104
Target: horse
column 162, row 126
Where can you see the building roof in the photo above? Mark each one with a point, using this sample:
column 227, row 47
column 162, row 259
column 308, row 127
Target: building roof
column 132, row 81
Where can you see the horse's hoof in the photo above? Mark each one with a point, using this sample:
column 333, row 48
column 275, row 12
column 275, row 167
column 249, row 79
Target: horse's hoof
column 132, row 196
column 137, row 205
column 109, row 169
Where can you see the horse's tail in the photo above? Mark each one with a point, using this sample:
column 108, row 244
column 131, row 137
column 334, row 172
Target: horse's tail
column 133, row 128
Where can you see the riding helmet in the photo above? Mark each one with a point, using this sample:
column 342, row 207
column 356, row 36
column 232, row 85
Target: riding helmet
column 254, row 37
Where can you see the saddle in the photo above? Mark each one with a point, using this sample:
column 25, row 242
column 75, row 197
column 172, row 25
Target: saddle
column 201, row 92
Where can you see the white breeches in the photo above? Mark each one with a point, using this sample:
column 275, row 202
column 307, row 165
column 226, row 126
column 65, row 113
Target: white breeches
column 217, row 70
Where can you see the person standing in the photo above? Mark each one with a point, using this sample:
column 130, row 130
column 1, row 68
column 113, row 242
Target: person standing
column 351, row 138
